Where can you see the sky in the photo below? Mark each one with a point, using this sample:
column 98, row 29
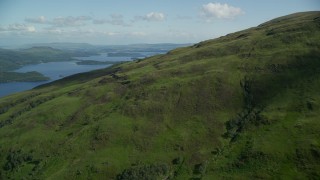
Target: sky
column 135, row 21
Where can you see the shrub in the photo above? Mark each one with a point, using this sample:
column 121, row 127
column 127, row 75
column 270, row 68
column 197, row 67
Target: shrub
column 145, row 172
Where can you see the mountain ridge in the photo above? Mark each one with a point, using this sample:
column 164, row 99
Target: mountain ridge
column 245, row 105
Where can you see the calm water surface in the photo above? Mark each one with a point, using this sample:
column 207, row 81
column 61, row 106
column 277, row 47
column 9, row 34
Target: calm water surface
column 53, row 70
column 104, row 57
column 58, row 70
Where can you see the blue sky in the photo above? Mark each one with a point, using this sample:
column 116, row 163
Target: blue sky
column 135, row 21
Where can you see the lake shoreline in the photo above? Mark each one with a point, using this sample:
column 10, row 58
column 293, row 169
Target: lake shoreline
column 52, row 71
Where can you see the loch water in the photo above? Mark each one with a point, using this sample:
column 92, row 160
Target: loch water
column 58, row 70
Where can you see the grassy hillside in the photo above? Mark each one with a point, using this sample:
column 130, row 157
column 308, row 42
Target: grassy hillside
column 242, row 106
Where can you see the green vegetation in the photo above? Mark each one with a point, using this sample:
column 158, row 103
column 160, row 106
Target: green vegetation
column 21, row 77
column 242, row 106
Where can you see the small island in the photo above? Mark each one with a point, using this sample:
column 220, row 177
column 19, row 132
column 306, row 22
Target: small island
column 126, row 54
column 92, row 62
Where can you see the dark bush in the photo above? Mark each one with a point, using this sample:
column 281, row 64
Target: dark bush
column 177, row 160
column 16, row 159
column 145, row 172
column 199, row 168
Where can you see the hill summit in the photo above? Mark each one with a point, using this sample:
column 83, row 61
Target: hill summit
column 242, row 106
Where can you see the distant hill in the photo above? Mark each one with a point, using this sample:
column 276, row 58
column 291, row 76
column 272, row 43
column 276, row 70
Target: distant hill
column 63, row 46
column 14, row 59
column 164, row 47
column 242, row 106
column 11, row 59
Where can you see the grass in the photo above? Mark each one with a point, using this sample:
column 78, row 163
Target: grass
column 169, row 114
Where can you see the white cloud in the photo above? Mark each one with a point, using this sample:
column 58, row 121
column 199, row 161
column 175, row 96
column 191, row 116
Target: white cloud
column 153, row 16
column 115, row 19
column 69, row 21
column 38, row 20
column 111, row 33
column 53, row 31
column 221, row 11
column 31, row 29
column 18, row 28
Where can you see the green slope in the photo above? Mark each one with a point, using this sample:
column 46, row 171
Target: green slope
column 242, row 106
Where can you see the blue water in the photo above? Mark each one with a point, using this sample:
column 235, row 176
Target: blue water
column 104, row 57
column 58, row 70
column 53, row 70
column 14, row 87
